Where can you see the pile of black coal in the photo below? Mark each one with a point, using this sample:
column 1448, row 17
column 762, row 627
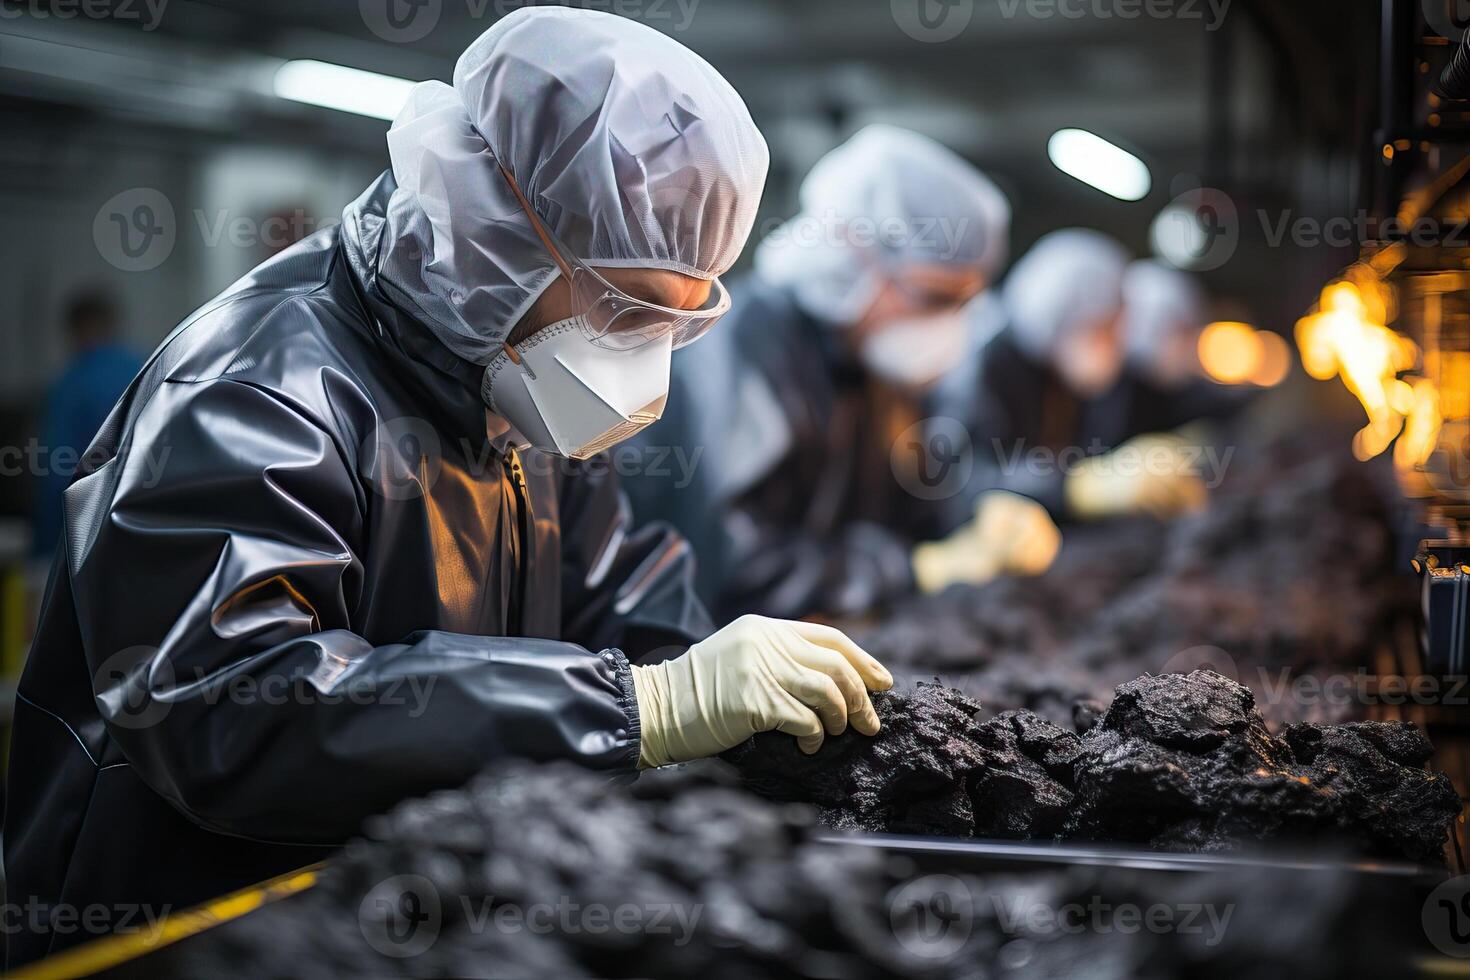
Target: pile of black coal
column 556, row 871
column 1177, row 761
column 1286, row 574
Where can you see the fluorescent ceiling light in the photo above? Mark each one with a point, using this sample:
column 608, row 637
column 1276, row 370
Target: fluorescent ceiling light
column 1096, row 162
column 337, row 87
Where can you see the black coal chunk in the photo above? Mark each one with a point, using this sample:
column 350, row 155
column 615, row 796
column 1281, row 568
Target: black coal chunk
column 1177, row 761
column 1184, row 761
column 910, row 778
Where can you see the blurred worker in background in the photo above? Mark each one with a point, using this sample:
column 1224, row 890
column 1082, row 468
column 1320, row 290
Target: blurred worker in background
column 97, row 371
column 1033, row 402
column 339, row 545
column 1163, row 386
column 799, row 502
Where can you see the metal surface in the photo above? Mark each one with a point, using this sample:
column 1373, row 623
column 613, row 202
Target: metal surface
column 1003, row 855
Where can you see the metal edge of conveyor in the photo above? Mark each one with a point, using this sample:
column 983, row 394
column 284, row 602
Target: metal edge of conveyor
column 108, row 952
column 1022, row 855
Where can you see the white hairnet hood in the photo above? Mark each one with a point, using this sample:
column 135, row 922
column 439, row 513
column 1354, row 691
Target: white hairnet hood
column 629, row 146
column 1069, row 280
column 885, row 198
column 1161, row 303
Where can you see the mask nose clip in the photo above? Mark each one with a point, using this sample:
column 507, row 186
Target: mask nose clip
column 515, row 358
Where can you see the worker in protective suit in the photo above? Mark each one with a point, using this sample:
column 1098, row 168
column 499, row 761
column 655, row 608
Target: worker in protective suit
column 812, row 390
column 1035, row 402
column 321, row 556
column 1163, row 386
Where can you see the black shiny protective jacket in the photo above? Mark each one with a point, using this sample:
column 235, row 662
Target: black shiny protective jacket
column 305, row 574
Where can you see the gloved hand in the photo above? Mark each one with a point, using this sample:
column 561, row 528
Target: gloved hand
column 1150, row 474
column 1010, row 535
column 755, row 675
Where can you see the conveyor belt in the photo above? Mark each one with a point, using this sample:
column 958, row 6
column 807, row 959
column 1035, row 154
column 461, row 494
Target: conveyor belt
column 114, row 951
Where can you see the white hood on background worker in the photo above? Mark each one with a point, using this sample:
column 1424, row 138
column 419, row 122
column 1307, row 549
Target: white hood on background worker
column 886, row 198
column 1164, row 311
column 1069, row 281
column 629, row 146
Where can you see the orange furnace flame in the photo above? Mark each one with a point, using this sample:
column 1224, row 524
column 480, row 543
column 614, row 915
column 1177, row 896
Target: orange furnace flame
column 1347, row 336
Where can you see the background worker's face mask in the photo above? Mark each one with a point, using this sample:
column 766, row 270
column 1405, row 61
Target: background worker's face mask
column 916, row 328
column 586, row 383
column 917, row 351
column 1090, row 360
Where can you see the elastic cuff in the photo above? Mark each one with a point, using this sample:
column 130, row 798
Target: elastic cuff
column 627, row 702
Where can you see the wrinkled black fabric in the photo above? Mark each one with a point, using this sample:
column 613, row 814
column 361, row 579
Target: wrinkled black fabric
column 1178, row 762
column 305, row 575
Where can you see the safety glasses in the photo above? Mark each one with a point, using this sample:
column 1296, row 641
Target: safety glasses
column 614, row 319
column 935, row 289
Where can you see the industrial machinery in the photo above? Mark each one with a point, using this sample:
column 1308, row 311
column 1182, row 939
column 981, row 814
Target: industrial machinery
column 1396, row 326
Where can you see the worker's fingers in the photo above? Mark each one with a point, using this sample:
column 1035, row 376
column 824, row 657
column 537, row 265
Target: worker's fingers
column 1156, row 497
column 820, row 693
column 860, row 713
column 795, row 718
column 1194, row 495
column 875, row 676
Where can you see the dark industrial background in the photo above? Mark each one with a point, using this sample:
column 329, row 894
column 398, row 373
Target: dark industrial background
column 104, row 103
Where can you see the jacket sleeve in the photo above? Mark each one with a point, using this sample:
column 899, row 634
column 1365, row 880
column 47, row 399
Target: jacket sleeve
column 624, row 587
column 787, row 572
column 976, row 395
column 1001, row 463
column 214, row 567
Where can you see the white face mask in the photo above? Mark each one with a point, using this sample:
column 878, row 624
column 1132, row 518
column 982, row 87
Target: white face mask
column 916, row 353
column 574, row 398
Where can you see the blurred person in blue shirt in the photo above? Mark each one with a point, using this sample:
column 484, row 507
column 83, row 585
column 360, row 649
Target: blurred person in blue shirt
column 96, row 374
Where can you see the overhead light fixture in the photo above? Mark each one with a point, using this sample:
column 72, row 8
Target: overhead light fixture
column 1098, row 163
column 338, row 87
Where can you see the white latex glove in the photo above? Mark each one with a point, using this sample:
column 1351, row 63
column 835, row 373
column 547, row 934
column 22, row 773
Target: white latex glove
column 1151, row 474
column 1010, row 535
column 756, row 675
